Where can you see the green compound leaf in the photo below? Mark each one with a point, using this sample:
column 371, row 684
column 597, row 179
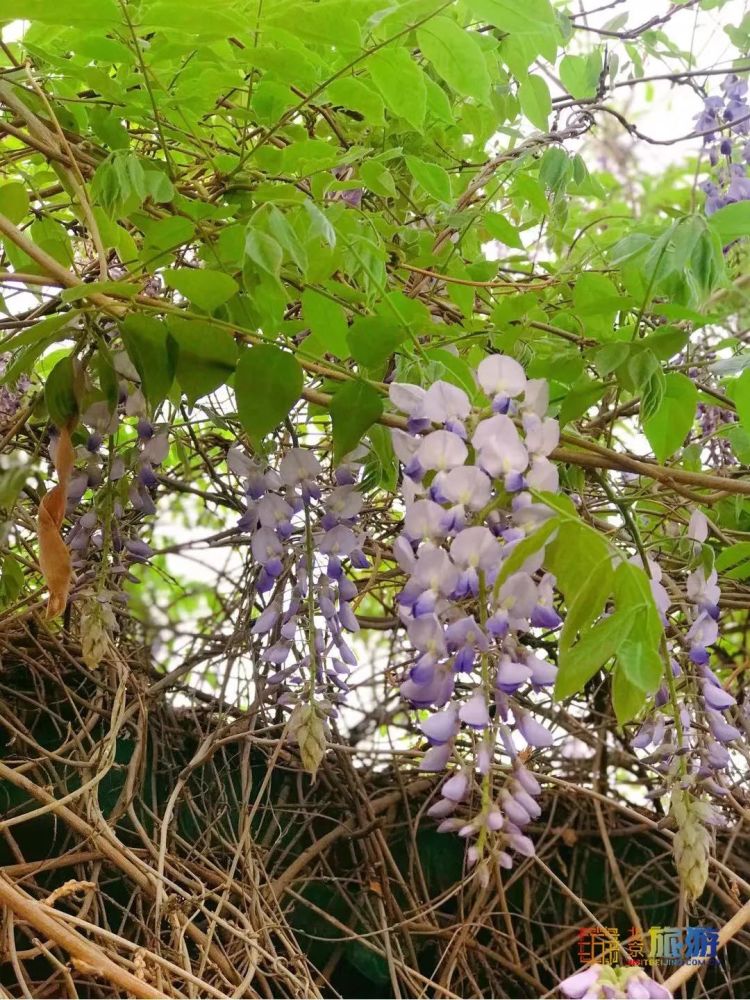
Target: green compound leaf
column 355, row 408
column 456, row 56
column 206, row 357
column 206, row 289
column 667, row 428
column 267, row 384
column 148, row 347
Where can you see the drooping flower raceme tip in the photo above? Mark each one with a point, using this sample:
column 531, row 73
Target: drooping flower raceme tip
column 690, row 730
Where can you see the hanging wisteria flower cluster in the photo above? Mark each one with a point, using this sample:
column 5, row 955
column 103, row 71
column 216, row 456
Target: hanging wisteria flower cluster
column 689, row 733
column 717, row 449
column 711, row 418
column 470, row 479
column 135, row 468
column 303, row 538
column 115, row 469
column 725, row 122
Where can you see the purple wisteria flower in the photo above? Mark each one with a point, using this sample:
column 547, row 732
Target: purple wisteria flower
column 605, row 981
column 689, row 735
column 722, row 120
column 304, row 543
column 468, row 477
column 716, row 448
column 502, row 379
column 112, row 480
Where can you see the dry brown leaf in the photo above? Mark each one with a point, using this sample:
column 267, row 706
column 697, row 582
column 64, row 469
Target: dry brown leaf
column 54, row 557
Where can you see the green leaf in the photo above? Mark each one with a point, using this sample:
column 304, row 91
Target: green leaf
column 741, row 397
column 501, row 229
column 44, row 331
column 178, row 15
column 640, row 662
column 632, row 587
column 351, row 92
column 327, row 321
column 119, row 184
column 373, row 339
column 528, row 18
column 577, row 401
column 597, row 301
column 159, row 187
column 588, row 602
column 575, row 555
column 11, row 579
column 320, row 224
column 438, row 103
column 381, row 467
column 524, row 550
column 580, row 74
column 60, row 392
column 667, row 341
column 646, row 372
column 328, row 23
column 732, row 222
column 206, row 289
column 431, row 177
column 670, row 424
column 206, row 357
column 378, row 178
column 52, row 238
column 633, row 592
column 401, row 82
column 734, row 561
column 13, row 476
column 281, row 230
column 264, row 251
column 555, row 169
column 454, row 370
column 267, row 384
column 123, row 289
column 355, row 407
column 14, row 201
column 87, row 14
column 739, row 439
column 170, row 233
column 578, row 663
column 535, row 100
column 456, row 56
column 372, row 966
column 109, row 382
column 148, row 347
column 611, row 356
column 627, row 698
column 108, row 127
